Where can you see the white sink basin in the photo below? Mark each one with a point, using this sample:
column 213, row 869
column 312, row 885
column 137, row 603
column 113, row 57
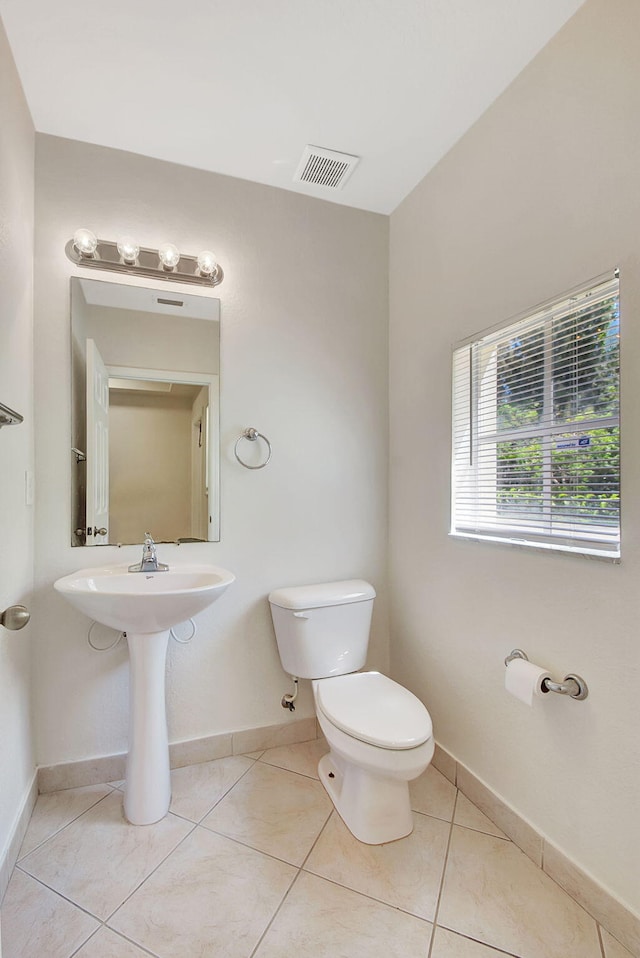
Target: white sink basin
column 143, row 601
column 145, row 605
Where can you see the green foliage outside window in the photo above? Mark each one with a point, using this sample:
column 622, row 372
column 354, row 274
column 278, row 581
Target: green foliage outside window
column 583, row 481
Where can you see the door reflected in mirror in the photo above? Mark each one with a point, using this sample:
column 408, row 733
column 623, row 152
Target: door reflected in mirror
column 145, row 414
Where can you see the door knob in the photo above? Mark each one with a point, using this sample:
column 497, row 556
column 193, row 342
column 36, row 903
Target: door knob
column 96, row 532
column 15, row 617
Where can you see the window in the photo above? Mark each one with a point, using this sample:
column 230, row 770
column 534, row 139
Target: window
column 536, row 430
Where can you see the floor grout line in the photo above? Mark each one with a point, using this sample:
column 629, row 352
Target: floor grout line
column 103, row 921
column 601, row 940
column 55, row 891
column 294, row 881
column 455, row 824
column 131, row 941
column 276, row 913
column 369, row 897
column 245, row 844
column 477, row 941
column 338, row 884
column 442, row 877
column 317, row 838
column 224, row 795
column 152, row 872
column 66, row 824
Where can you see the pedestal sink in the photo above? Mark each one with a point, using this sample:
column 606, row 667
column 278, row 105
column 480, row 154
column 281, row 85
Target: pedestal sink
column 145, row 605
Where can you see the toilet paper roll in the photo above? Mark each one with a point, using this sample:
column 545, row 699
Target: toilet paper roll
column 524, row 680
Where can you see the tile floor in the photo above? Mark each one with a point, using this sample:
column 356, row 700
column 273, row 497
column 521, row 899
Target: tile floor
column 252, row 862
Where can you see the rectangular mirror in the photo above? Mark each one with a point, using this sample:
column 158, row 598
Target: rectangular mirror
column 145, row 414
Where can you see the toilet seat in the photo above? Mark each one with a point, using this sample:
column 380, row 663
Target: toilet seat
column 374, row 709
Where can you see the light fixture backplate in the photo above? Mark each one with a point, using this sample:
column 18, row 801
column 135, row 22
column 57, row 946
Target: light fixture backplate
column 148, row 264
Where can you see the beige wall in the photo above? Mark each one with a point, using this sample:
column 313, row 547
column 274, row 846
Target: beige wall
column 304, row 323
column 149, row 467
column 542, row 194
column 16, row 442
column 152, row 341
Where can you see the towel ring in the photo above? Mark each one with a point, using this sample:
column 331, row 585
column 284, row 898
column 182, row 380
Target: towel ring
column 252, row 434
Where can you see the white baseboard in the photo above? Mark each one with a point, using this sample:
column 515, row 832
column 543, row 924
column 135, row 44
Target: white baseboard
column 9, row 854
column 111, row 768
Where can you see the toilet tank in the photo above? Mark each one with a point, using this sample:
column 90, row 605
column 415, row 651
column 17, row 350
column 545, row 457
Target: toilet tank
column 323, row 630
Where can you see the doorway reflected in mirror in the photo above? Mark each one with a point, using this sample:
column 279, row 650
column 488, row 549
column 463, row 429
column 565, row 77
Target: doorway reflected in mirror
column 145, row 413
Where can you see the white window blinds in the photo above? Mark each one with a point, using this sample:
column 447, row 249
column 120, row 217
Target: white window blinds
column 536, row 434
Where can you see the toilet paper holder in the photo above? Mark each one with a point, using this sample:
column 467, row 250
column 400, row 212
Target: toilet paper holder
column 572, row 685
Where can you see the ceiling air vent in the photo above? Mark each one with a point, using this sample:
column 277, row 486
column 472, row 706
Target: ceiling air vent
column 325, row 167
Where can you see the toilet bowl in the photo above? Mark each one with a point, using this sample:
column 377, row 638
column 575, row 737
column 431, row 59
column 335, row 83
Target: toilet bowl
column 379, row 734
column 382, row 740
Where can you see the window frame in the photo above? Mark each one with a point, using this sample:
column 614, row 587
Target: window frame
column 470, row 515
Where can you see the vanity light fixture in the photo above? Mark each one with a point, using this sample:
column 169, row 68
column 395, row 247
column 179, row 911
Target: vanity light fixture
column 169, row 256
column 86, row 243
column 207, row 264
column 125, row 256
column 128, row 249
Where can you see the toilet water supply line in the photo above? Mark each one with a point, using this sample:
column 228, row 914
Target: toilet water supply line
column 123, row 635
column 289, row 698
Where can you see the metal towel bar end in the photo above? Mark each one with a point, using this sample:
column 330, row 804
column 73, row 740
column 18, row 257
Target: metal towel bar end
column 572, row 685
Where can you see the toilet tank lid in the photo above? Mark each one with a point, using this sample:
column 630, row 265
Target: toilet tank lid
column 323, row 594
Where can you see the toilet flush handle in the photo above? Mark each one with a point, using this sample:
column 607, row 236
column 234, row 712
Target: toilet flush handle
column 301, row 615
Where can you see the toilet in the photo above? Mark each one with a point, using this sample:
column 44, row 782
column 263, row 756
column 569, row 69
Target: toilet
column 380, row 735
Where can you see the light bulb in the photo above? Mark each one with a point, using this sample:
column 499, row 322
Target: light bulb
column 85, row 242
column 128, row 250
column 169, row 255
column 207, row 264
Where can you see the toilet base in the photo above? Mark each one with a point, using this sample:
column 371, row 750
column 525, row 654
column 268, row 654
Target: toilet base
column 375, row 809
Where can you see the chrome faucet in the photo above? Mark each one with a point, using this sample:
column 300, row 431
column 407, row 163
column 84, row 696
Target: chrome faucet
column 149, row 561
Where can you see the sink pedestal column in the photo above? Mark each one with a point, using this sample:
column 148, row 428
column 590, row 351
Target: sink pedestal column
column 148, row 786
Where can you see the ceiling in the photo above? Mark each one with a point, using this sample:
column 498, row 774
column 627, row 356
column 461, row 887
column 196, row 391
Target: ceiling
column 241, row 86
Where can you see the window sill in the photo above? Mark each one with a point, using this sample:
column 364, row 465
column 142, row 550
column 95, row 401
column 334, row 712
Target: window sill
column 584, row 551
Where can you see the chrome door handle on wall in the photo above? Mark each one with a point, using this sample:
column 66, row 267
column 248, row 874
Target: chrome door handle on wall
column 9, row 417
column 15, row 617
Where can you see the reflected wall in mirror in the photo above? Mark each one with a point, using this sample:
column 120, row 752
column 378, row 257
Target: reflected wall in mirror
column 144, row 414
